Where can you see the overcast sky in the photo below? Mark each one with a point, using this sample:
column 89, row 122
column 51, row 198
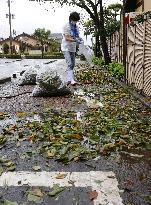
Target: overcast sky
column 32, row 15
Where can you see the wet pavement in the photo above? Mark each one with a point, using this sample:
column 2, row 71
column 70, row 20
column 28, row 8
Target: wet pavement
column 131, row 165
column 10, row 66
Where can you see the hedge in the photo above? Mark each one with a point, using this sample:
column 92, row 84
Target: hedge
column 17, row 56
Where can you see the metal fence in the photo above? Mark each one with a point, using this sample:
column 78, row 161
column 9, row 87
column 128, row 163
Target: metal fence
column 138, row 65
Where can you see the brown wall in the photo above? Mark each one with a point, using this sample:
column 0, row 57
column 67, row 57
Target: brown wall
column 15, row 44
column 147, row 5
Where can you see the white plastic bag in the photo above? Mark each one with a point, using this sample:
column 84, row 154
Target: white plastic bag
column 87, row 52
column 28, row 77
column 50, row 81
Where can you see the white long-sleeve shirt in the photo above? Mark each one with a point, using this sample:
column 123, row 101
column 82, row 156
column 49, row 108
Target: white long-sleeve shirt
column 68, row 45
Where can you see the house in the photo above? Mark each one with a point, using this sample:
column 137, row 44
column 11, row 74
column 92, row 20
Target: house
column 26, row 43
column 137, row 6
column 5, row 46
column 28, row 39
column 35, row 45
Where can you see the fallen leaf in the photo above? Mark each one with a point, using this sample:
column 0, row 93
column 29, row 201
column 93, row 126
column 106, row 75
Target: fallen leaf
column 21, row 114
column 20, row 134
column 6, row 202
column 2, row 139
column 111, row 177
column 38, row 192
column 34, row 198
column 56, row 190
column 93, row 195
column 36, row 168
column 77, row 136
column 2, row 115
column 143, row 176
column 50, row 155
column 1, row 170
column 121, row 142
column 13, row 127
column 12, row 168
column 61, row 176
column 149, row 199
column 109, row 146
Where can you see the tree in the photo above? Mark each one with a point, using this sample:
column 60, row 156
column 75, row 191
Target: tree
column 42, row 36
column 115, row 9
column 111, row 22
column 55, row 46
column 95, row 10
column 22, row 47
column 6, row 48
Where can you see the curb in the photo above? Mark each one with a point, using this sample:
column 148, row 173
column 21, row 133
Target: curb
column 5, row 79
column 136, row 95
column 139, row 97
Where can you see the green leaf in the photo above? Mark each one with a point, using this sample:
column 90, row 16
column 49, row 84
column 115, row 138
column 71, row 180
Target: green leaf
column 2, row 139
column 34, row 198
column 56, row 190
column 1, row 170
column 149, row 199
column 6, row 202
column 35, row 195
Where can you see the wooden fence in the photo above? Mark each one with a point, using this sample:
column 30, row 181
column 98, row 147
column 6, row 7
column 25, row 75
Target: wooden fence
column 138, row 66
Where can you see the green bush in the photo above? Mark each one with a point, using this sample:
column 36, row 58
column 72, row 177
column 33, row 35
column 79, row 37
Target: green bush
column 26, row 53
column 98, row 61
column 13, row 56
column 60, row 54
column 18, row 56
column 116, row 69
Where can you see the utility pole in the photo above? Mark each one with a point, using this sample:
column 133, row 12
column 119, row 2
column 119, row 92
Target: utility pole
column 10, row 16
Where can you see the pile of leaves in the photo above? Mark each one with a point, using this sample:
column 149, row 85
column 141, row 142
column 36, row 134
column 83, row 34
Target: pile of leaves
column 58, row 135
column 121, row 123
column 96, row 75
column 6, row 165
column 90, row 76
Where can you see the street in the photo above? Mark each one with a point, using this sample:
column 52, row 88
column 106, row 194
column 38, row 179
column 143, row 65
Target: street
column 90, row 147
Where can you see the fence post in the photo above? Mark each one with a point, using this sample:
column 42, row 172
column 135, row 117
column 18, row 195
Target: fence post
column 134, row 63
column 143, row 59
column 124, row 45
column 119, row 44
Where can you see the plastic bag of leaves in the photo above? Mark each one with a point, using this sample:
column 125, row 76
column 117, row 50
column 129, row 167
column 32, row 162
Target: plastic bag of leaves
column 87, row 52
column 28, row 77
column 50, row 83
